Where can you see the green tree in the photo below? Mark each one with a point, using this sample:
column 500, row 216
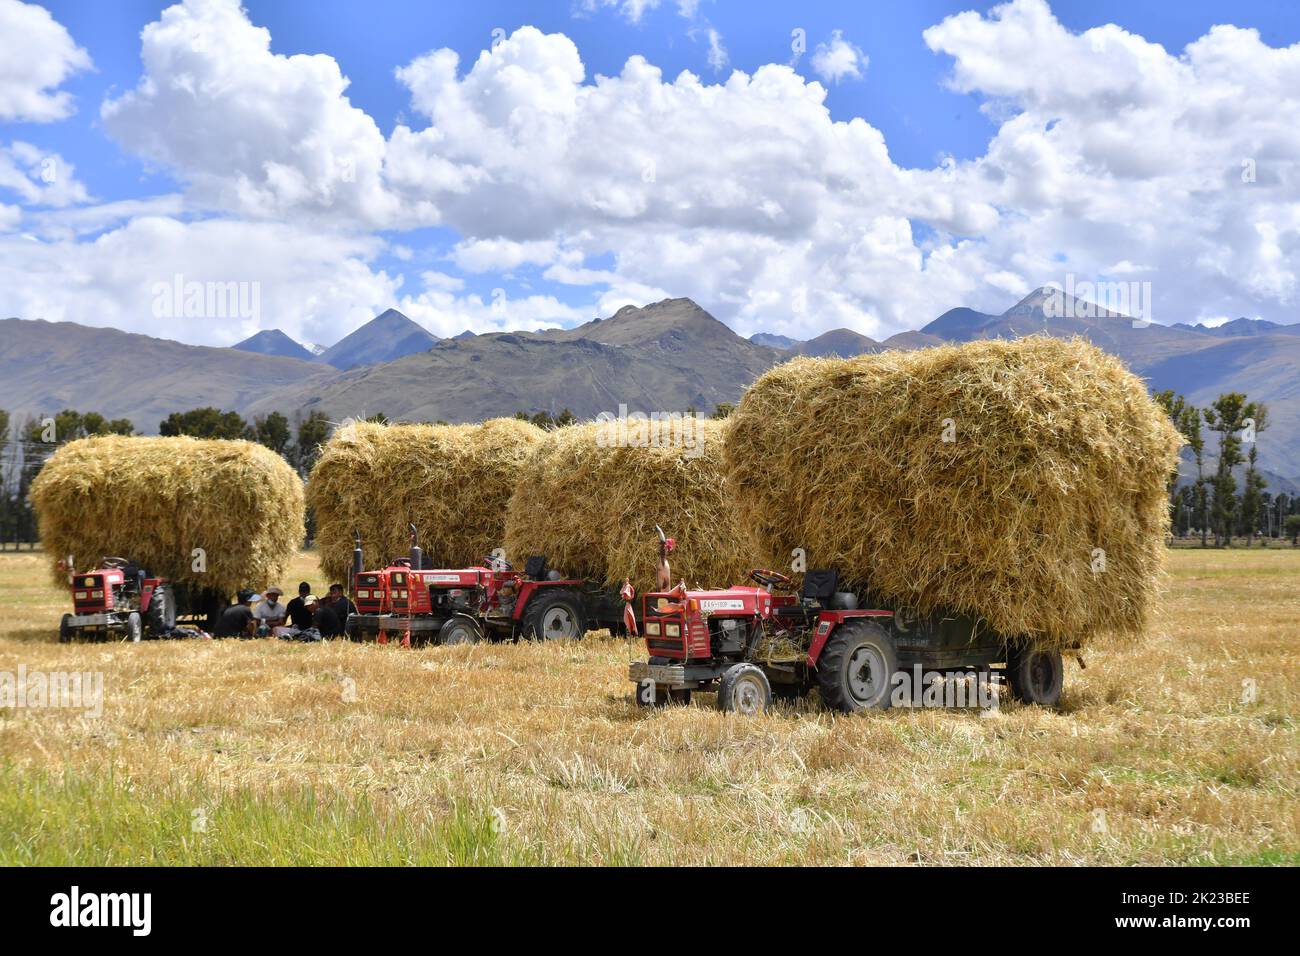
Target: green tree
column 313, row 432
column 1227, row 415
column 207, row 422
column 6, row 487
column 1252, row 498
column 1187, row 419
column 1292, row 526
column 273, row 432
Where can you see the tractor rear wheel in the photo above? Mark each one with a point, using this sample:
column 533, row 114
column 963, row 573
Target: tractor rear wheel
column 856, row 668
column 1035, row 676
column 554, row 616
column 744, row 689
column 66, row 630
column 134, row 627
column 161, row 617
column 459, row 630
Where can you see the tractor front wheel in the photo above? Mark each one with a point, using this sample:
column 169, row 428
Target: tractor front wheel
column 1035, row 676
column 556, row 616
column 856, row 668
column 134, row 627
column 744, row 689
column 66, row 630
column 460, row 630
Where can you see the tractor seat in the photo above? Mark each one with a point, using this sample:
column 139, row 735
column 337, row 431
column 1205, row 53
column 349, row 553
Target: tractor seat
column 815, row 595
column 535, row 568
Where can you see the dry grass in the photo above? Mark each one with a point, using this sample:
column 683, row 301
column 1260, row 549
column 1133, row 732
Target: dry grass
column 452, row 481
column 989, row 478
column 155, row 500
column 608, row 534
column 534, row 754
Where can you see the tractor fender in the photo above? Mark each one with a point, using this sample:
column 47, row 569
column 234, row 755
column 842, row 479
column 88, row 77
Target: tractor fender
column 828, row 621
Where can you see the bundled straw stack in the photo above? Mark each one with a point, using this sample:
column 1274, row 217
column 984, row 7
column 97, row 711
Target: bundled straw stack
column 452, row 481
column 1022, row 481
column 591, row 495
column 155, row 500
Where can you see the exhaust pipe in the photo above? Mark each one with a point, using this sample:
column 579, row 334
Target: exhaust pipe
column 358, row 562
column 417, row 556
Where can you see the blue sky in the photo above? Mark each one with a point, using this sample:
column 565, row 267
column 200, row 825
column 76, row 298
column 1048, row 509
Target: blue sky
column 982, row 245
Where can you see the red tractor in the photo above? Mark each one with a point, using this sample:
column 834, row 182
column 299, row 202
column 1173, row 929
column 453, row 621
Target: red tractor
column 119, row 598
column 464, row 605
column 751, row 642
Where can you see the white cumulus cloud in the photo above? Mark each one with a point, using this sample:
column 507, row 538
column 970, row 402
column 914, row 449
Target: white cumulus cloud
column 36, row 55
column 838, row 59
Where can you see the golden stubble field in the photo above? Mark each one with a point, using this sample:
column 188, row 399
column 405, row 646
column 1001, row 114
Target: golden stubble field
column 1183, row 750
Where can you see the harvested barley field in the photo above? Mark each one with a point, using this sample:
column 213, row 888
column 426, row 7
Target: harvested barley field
column 260, row 752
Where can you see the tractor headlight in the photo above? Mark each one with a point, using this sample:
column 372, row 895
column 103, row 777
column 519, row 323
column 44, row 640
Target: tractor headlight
column 97, row 594
column 652, row 627
column 363, row 594
column 673, row 630
column 79, row 596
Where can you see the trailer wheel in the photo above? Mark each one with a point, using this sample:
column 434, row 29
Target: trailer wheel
column 744, row 689
column 555, row 616
column 134, row 627
column 162, row 612
column 66, row 630
column 856, row 668
column 1035, row 676
column 459, row 630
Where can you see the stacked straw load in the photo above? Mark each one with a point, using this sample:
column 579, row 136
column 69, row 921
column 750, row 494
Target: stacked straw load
column 156, row 500
column 452, row 481
column 591, row 495
column 1022, row 481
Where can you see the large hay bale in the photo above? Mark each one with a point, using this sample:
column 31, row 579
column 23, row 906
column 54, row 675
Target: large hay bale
column 591, row 495
column 1044, row 511
column 452, row 481
column 154, row 500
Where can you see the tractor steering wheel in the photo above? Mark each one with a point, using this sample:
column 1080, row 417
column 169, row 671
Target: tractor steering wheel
column 115, row 563
column 770, row 579
column 497, row 564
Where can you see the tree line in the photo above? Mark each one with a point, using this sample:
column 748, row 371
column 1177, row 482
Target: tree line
column 26, row 446
column 1213, row 504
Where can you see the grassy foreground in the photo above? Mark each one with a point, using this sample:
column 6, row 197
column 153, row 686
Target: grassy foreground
column 263, row 752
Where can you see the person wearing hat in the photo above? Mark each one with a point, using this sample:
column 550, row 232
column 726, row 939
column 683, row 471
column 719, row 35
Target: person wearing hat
column 270, row 613
column 237, row 620
column 325, row 617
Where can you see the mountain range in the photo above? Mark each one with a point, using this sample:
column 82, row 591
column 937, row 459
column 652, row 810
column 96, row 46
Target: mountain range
column 664, row 356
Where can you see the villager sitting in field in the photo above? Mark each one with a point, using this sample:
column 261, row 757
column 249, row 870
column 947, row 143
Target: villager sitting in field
column 325, row 617
column 270, row 613
column 237, row 620
column 338, row 599
column 299, row 612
